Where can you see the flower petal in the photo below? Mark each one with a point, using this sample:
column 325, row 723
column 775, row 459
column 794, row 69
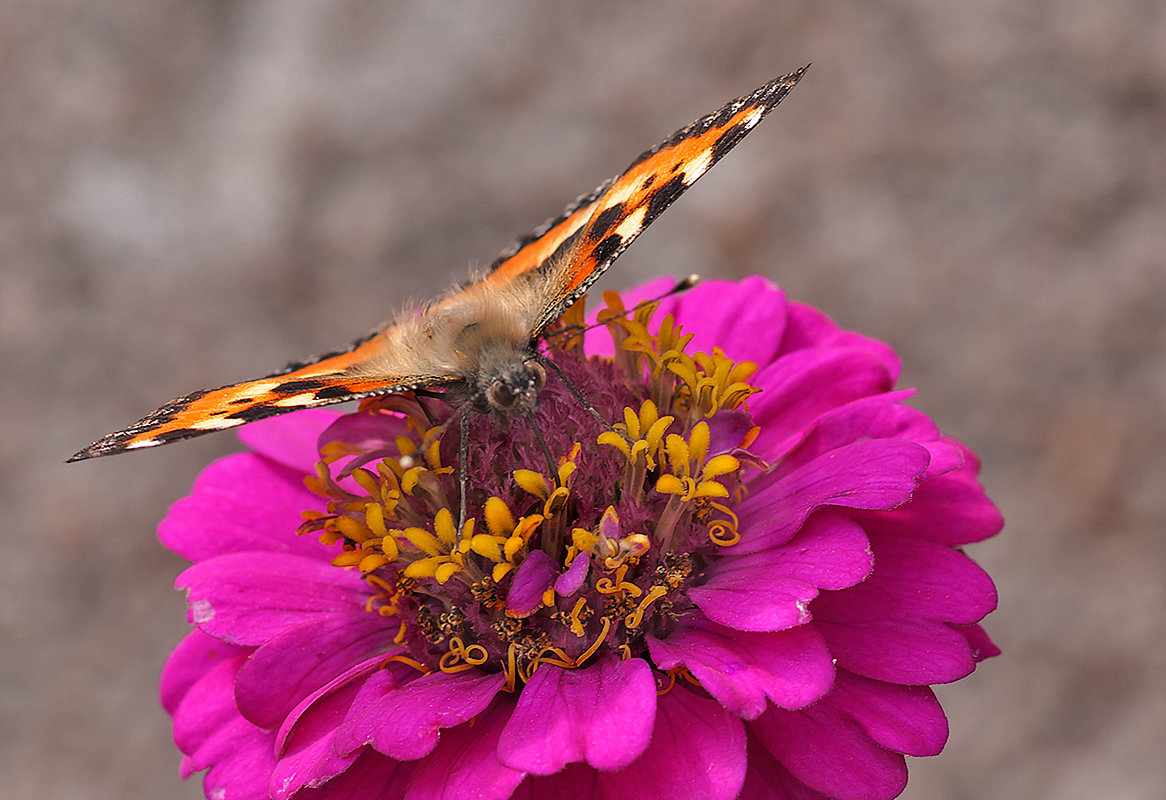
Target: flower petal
column 981, row 646
column 803, row 386
column 241, row 503
column 602, row 714
column 742, row 670
column 746, row 319
column 575, row 781
column 949, row 509
column 237, row 756
column 597, row 342
column 371, row 777
column 880, row 473
column 466, row 762
column 194, row 657
column 823, row 748
column 906, row 719
column 571, row 581
column 767, row 779
column 289, row 439
column 697, row 752
column 806, row 326
column 300, row 660
column 770, row 590
column 881, row 416
column 247, row 598
column 894, row 626
column 531, row 580
column 404, row 722
column 307, row 755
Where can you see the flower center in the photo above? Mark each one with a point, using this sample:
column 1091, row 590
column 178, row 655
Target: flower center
column 546, row 569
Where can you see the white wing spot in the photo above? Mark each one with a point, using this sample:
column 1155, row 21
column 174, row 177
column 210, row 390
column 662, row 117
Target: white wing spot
column 210, row 424
column 697, row 167
column 295, row 400
column 633, row 224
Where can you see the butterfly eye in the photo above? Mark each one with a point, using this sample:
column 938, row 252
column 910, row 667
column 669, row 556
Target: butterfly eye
column 500, row 395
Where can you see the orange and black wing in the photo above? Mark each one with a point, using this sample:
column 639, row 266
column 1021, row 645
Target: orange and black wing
column 323, row 380
column 624, row 206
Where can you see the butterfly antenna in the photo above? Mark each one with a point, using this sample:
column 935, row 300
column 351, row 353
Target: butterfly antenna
column 680, row 286
column 583, row 401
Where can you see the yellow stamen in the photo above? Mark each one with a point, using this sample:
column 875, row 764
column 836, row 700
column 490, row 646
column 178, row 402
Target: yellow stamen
column 634, row 619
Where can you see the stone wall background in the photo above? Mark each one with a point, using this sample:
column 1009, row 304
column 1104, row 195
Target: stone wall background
column 194, row 192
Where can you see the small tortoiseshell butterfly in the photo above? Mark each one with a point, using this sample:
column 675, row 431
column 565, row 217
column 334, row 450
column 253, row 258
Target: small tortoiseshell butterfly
column 479, row 344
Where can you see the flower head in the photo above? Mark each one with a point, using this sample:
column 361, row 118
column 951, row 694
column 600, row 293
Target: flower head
column 722, row 561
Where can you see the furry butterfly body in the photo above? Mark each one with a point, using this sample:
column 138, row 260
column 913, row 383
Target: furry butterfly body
column 479, row 344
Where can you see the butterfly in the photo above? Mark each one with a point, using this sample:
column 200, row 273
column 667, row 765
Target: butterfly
column 479, row 344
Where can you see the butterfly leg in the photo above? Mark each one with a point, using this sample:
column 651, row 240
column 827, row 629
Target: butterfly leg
column 419, row 395
column 463, row 471
column 542, row 443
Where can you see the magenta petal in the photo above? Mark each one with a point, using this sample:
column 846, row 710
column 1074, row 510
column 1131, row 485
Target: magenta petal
column 697, row 752
column 289, row 439
column 307, row 755
column 240, row 503
column 730, row 315
column 602, row 714
column 823, row 748
column 353, row 683
column 571, row 581
column 767, row 779
column 906, row 719
column 466, row 762
column 371, row 776
column 573, row 782
column 879, row 473
column 950, row 509
column 741, row 670
column 978, row 642
column 803, row 386
column 806, row 326
column 895, row 625
column 531, row 580
column 237, row 756
column 297, row 662
column 247, row 598
column 194, row 657
column 404, row 722
column 882, row 416
column 208, row 706
column 770, row 590
column 364, row 431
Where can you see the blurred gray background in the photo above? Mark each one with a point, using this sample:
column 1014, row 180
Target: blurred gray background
column 194, row 192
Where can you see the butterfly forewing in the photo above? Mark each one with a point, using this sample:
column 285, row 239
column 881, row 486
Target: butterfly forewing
column 653, row 182
column 566, row 254
column 333, row 378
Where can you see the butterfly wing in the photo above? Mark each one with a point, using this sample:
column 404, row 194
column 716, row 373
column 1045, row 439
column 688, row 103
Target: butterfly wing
column 323, row 380
column 631, row 201
column 574, row 249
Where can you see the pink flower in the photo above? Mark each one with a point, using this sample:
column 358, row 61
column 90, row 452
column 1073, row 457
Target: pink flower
column 738, row 594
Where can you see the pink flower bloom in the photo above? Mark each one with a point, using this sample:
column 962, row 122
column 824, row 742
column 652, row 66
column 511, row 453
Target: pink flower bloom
column 749, row 599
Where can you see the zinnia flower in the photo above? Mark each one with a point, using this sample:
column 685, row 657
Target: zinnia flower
column 742, row 588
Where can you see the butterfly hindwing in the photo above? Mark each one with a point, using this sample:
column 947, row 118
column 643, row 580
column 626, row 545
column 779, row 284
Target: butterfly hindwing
column 653, row 181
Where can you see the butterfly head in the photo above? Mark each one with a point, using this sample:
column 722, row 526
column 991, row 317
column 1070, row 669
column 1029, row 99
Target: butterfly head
column 510, row 389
